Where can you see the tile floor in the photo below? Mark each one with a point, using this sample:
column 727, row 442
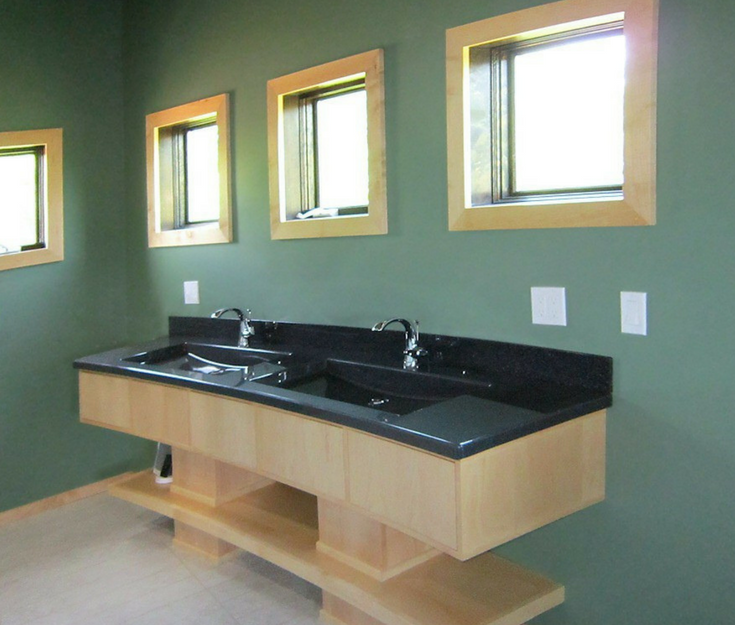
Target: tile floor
column 104, row 561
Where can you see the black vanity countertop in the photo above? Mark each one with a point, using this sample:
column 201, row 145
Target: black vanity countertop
column 527, row 388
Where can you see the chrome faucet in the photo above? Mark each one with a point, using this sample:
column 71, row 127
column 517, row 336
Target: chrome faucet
column 246, row 328
column 412, row 351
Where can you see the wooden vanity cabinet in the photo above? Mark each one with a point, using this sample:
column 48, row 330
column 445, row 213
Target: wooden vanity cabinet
column 155, row 411
column 331, row 503
column 104, row 400
column 405, row 487
column 223, row 428
column 305, row 453
column 465, row 507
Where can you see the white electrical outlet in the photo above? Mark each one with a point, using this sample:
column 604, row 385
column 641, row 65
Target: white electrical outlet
column 549, row 305
column 191, row 292
column 633, row 313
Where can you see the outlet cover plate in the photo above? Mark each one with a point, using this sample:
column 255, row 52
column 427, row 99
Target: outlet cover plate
column 633, row 313
column 549, row 305
column 191, row 292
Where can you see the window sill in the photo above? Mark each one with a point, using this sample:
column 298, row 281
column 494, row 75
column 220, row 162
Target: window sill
column 194, row 235
column 31, row 257
column 342, row 226
column 530, row 215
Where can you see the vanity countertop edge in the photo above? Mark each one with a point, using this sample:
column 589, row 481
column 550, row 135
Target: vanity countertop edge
column 556, row 386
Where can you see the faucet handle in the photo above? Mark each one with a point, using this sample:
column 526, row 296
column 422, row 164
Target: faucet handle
column 248, row 329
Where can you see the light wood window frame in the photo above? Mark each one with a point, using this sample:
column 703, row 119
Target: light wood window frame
column 637, row 206
column 51, row 140
column 162, row 230
column 284, row 167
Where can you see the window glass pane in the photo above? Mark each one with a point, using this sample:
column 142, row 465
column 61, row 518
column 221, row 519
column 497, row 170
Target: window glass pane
column 18, row 202
column 342, row 150
column 568, row 114
column 202, row 174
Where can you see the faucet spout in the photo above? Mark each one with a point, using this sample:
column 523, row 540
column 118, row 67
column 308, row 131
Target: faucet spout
column 411, row 351
column 246, row 328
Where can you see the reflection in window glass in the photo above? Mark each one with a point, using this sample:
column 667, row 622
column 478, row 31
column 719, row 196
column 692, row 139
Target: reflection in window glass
column 202, row 175
column 342, row 150
column 19, row 215
column 568, row 114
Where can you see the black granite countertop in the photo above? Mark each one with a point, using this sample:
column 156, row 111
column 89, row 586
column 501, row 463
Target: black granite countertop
column 486, row 392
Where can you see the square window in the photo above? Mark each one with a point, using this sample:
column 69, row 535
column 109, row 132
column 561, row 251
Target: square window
column 332, row 150
column 31, row 202
column 189, row 174
column 551, row 117
column 327, row 144
column 564, row 99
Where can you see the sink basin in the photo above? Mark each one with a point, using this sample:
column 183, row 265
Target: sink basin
column 214, row 359
column 389, row 390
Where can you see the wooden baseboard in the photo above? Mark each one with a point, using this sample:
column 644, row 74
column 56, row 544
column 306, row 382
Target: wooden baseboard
column 70, row 496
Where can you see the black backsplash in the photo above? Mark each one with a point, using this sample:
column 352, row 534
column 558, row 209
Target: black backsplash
column 451, row 354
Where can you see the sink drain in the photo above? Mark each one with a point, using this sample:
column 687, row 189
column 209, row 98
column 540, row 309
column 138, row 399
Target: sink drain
column 378, row 401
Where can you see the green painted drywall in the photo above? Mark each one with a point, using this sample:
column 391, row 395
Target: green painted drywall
column 660, row 548
column 60, row 66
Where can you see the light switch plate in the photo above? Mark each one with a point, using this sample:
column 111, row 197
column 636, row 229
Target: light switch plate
column 549, row 305
column 191, row 292
column 633, row 313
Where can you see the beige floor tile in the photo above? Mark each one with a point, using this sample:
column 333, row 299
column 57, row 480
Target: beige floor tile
column 198, row 609
column 104, row 561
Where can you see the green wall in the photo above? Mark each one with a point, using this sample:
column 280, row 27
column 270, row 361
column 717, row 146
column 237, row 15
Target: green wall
column 660, row 548
column 61, row 66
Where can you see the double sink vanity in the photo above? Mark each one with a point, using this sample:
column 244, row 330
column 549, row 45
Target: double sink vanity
column 380, row 466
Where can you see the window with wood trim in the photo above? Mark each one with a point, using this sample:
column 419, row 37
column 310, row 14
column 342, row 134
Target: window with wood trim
column 551, row 117
column 332, row 151
column 188, row 174
column 31, row 198
column 327, row 145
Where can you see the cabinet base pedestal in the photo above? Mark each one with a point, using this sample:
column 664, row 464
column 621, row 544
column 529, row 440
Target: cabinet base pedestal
column 370, row 574
column 192, row 539
column 368, row 545
column 337, row 612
